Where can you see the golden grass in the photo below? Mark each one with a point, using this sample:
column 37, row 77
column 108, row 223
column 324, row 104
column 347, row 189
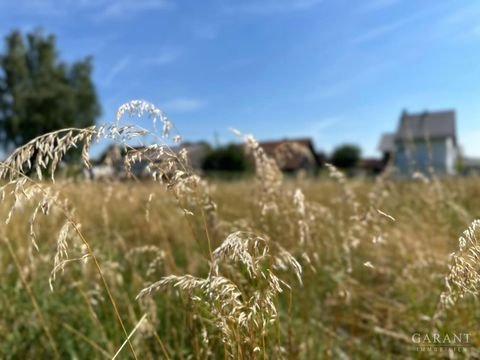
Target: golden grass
column 342, row 307
column 266, row 268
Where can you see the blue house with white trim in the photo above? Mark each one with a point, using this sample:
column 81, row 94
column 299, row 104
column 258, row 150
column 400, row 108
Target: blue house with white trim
column 423, row 141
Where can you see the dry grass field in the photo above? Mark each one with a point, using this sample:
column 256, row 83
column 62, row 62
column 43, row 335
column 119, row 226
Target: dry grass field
column 263, row 268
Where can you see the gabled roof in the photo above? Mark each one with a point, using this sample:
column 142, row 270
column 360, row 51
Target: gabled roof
column 293, row 159
column 387, row 143
column 427, row 125
column 270, row 146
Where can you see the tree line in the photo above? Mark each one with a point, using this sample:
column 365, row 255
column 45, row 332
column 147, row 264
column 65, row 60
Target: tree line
column 231, row 157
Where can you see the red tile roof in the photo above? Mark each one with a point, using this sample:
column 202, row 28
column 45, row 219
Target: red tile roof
column 291, row 154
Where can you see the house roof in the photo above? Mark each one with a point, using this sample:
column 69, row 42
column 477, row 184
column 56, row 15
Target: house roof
column 270, row 146
column 288, row 152
column 430, row 125
column 387, row 142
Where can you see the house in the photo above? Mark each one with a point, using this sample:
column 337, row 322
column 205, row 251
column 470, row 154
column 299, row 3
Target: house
column 370, row 166
column 292, row 155
column 108, row 166
column 111, row 163
column 197, row 152
column 423, row 141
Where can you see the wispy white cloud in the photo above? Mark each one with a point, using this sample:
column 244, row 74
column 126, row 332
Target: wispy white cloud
column 461, row 24
column 122, row 8
column 324, row 124
column 183, row 104
column 321, row 130
column 267, row 7
column 462, row 15
column 377, row 32
column 116, row 69
column 384, row 29
column 346, row 82
column 166, row 55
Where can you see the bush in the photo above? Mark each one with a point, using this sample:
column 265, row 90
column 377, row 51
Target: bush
column 346, row 156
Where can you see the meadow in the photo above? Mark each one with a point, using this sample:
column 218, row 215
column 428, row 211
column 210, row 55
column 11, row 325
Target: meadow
column 261, row 268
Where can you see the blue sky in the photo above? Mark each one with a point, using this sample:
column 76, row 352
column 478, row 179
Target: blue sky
column 335, row 70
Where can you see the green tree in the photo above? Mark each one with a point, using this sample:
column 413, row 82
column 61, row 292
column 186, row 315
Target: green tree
column 346, row 156
column 39, row 93
column 229, row 158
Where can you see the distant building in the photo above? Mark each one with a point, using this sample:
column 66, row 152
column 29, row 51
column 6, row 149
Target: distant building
column 422, row 141
column 108, row 166
column 471, row 166
column 292, row 155
column 197, row 152
column 111, row 163
column 370, row 166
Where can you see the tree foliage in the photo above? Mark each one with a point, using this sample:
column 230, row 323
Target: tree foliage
column 39, row 93
column 228, row 158
column 346, row 156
